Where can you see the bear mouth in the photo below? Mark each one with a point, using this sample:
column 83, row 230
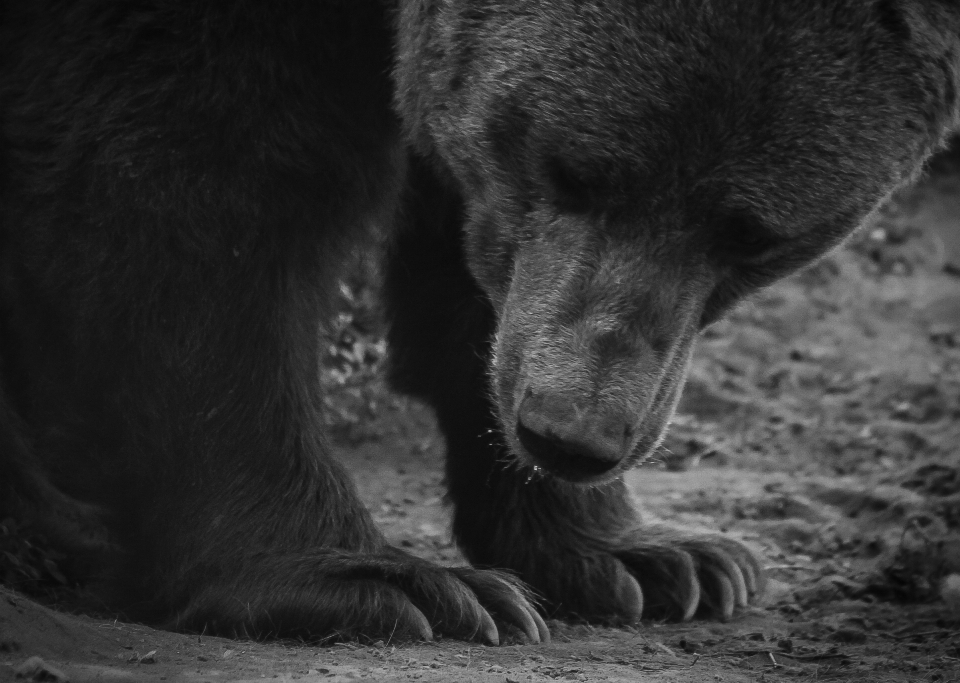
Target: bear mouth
column 573, row 461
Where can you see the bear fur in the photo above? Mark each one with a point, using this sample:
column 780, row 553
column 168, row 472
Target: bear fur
column 574, row 190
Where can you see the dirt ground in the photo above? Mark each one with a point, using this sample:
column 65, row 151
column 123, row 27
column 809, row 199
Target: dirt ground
column 820, row 424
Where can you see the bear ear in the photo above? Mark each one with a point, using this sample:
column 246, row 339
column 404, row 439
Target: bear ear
column 569, row 190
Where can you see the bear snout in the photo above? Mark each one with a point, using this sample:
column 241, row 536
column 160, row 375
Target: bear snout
column 570, row 441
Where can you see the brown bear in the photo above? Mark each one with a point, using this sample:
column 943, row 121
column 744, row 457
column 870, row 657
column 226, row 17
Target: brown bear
column 576, row 188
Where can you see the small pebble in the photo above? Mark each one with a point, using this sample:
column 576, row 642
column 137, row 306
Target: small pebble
column 950, row 592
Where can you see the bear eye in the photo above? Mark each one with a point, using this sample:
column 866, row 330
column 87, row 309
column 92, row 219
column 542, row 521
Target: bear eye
column 569, row 190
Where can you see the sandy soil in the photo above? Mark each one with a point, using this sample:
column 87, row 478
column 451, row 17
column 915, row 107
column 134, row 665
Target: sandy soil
column 820, row 424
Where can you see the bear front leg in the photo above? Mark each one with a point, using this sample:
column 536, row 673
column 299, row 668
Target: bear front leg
column 584, row 548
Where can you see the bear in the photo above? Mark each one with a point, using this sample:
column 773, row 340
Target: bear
column 572, row 189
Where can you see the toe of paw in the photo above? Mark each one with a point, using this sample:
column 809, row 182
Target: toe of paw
column 453, row 610
column 668, row 578
column 741, row 568
column 415, row 625
column 511, row 603
column 718, row 596
column 372, row 610
column 505, row 601
column 600, row 589
column 730, row 578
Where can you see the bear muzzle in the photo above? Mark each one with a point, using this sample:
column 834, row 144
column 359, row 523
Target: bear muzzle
column 571, row 442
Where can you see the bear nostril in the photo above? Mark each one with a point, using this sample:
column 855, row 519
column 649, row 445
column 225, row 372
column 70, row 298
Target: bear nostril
column 572, row 444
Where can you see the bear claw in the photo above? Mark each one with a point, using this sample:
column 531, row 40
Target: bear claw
column 629, row 595
column 507, row 601
column 416, row 622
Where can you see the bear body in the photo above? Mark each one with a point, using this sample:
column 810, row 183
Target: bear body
column 575, row 190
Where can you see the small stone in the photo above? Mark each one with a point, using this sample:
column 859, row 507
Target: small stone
column 35, row 669
column 950, row 592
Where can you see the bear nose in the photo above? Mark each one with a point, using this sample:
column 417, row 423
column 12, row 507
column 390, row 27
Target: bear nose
column 574, row 443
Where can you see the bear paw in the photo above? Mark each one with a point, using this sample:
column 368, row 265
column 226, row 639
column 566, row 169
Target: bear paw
column 338, row 595
column 655, row 573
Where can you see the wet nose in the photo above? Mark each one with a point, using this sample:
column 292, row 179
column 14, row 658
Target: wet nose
column 573, row 443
